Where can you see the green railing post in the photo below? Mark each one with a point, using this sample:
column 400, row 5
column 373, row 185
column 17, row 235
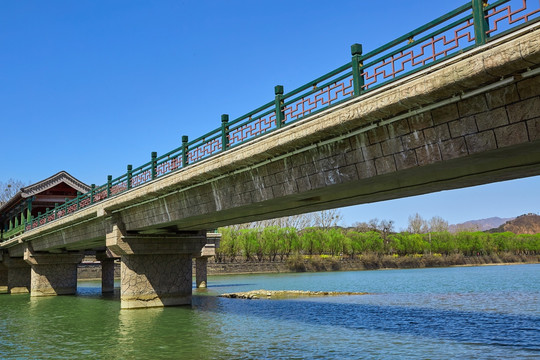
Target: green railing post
column 481, row 24
column 129, row 170
column 66, row 206
column 184, row 150
column 109, row 185
column 356, row 62
column 78, row 200
column 92, row 191
column 55, row 210
column 280, row 116
column 224, row 132
column 154, row 164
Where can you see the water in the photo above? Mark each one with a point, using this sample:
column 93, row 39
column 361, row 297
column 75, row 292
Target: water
column 490, row 312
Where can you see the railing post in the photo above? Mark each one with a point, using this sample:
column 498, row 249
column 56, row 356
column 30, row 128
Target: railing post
column 55, row 210
column 66, row 206
column 129, row 169
column 224, row 132
column 109, row 185
column 78, row 199
column 356, row 62
column 481, row 24
column 92, row 191
column 184, row 150
column 154, row 164
column 280, row 116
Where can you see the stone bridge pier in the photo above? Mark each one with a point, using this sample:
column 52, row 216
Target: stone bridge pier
column 52, row 274
column 15, row 275
column 156, row 269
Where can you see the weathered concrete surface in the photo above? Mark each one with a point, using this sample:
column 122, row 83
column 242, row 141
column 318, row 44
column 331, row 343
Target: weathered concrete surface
column 3, row 279
column 201, row 276
column 52, row 274
column 155, row 280
column 107, row 272
column 18, row 275
column 358, row 152
column 156, row 270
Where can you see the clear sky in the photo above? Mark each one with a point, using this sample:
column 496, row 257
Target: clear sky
column 89, row 86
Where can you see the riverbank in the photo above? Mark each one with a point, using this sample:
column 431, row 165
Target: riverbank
column 89, row 271
column 366, row 262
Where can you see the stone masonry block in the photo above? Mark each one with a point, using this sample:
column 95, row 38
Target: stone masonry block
column 366, row 169
column 464, row 126
column 524, row 110
column 420, row 121
column 317, row 181
column 303, row 184
column 511, row 135
column 413, row 140
column 483, row 141
column 529, row 87
column 533, row 126
column 353, row 157
column 428, row 154
column 392, row 146
column 405, row 159
column 445, row 114
column 491, row 119
column 385, row 165
column 453, row 148
column 473, row 105
column 378, row 134
column 373, row 151
column 437, row 134
column 502, row 96
column 398, row 128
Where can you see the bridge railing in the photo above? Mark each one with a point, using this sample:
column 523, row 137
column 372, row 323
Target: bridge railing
column 470, row 25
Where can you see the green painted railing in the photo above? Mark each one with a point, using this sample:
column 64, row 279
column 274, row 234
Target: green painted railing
column 462, row 29
column 14, row 232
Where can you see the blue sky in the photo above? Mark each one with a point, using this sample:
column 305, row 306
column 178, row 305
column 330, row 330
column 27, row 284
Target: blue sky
column 91, row 86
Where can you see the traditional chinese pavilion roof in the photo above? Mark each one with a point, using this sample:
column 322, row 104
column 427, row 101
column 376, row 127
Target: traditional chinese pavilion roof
column 44, row 185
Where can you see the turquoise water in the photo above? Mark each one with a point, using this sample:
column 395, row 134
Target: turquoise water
column 490, row 312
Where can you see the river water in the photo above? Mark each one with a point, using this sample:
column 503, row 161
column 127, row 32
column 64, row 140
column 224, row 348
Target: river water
column 488, row 312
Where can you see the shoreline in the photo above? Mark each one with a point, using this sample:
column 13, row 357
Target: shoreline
column 92, row 271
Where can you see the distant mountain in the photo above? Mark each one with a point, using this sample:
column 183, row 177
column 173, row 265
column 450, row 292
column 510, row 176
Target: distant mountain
column 479, row 225
column 523, row 224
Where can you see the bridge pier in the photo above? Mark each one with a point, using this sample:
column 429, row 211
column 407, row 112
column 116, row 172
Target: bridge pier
column 107, row 271
column 18, row 276
column 52, row 274
column 201, row 261
column 156, row 270
column 201, row 264
column 3, row 279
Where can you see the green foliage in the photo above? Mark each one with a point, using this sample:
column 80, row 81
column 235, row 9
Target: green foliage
column 274, row 242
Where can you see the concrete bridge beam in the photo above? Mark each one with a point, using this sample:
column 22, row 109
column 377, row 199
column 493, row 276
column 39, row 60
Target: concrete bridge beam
column 18, row 277
column 52, row 274
column 156, row 270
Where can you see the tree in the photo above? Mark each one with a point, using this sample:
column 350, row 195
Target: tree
column 9, row 189
column 417, row 225
column 327, row 219
column 438, row 224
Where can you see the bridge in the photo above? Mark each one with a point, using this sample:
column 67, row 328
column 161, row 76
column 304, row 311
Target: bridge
column 454, row 103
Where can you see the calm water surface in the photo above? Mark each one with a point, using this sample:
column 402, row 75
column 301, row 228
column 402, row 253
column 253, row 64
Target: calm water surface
column 490, row 312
